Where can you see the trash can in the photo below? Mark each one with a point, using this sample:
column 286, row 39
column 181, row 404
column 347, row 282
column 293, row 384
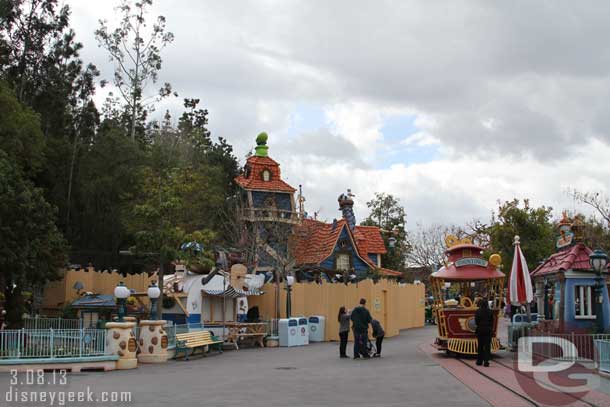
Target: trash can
column 303, row 332
column 288, row 332
column 317, row 328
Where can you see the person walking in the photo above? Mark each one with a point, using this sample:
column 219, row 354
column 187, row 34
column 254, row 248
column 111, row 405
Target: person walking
column 378, row 334
column 361, row 318
column 484, row 320
column 344, row 318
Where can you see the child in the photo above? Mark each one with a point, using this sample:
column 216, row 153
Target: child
column 378, row 334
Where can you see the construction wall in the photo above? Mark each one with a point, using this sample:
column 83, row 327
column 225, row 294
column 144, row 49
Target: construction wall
column 58, row 294
column 396, row 306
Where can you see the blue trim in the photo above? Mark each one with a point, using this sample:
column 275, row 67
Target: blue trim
column 194, row 319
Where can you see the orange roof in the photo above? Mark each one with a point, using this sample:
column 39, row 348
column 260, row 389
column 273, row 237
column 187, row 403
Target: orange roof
column 369, row 240
column 252, row 178
column 315, row 241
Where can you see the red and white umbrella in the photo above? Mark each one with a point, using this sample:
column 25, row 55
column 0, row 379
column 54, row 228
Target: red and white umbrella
column 520, row 284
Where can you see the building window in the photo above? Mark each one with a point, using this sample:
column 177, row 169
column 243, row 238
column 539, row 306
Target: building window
column 266, row 175
column 342, row 261
column 584, row 306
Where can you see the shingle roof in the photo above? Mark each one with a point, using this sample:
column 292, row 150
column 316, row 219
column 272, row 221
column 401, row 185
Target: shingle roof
column 253, row 179
column 369, row 240
column 574, row 258
column 315, row 241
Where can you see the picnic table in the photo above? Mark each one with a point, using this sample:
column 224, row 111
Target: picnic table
column 242, row 331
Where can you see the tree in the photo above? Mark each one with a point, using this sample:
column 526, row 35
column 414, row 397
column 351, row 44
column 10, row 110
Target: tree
column 595, row 200
column 31, row 248
column 387, row 214
column 533, row 225
column 137, row 54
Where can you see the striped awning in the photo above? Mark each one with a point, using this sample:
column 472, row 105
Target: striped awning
column 231, row 292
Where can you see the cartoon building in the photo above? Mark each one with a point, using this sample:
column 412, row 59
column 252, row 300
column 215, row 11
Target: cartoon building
column 267, row 209
column 565, row 282
column 341, row 247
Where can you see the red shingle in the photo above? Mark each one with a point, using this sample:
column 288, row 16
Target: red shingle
column 574, row 258
column 256, row 166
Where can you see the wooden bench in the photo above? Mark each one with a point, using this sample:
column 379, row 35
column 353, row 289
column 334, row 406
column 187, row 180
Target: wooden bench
column 194, row 340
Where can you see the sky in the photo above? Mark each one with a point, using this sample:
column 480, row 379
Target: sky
column 450, row 106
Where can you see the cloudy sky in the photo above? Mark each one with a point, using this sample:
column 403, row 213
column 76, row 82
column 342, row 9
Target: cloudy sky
column 450, row 106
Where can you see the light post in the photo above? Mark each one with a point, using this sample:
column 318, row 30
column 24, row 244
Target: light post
column 121, row 293
column 154, row 293
column 289, row 283
column 599, row 260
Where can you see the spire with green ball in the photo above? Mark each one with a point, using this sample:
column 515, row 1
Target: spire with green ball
column 261, row 145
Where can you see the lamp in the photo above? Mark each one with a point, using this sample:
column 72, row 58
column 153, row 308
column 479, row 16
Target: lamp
column 289, row 282
column 392, row 242
column 154, row 293
column 598, row 261
column 121, row 293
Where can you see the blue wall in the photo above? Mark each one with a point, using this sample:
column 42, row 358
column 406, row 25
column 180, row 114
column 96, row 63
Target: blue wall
column 373, row 258
column 569, row 316
column 360, row 266
column 282, row 201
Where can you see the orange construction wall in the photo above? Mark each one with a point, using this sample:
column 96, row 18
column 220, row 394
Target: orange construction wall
column 57, row 294
column 396, row 306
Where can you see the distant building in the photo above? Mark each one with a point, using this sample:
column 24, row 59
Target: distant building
column 285, row 236
column 565, row 283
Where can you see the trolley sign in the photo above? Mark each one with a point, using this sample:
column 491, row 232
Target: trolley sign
column 471, row 261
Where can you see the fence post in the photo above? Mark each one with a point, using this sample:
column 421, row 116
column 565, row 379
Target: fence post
column 80, row 343
column 52, row 342
column 19, row 336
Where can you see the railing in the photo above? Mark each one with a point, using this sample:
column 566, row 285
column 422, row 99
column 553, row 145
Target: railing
column 270, row 214
column 603, row 355
column 51, row 343
column 584, row 348
column 52, row 323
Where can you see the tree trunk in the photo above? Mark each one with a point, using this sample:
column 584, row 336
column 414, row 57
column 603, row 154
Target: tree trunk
column 70, row 182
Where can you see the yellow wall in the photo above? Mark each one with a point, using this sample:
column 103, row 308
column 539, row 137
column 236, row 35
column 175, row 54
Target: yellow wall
column 395, row 306
column 59, row 293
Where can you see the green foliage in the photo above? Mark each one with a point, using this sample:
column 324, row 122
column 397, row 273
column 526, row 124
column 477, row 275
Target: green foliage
column 389, row 215
column 20, row 135
column 533, row 225
column 31, row 249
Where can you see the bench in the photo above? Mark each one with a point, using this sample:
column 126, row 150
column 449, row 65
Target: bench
column 195, row 340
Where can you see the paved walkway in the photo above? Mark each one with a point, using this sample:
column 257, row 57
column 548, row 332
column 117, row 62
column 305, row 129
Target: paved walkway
column 411, row 373
column 306, row 376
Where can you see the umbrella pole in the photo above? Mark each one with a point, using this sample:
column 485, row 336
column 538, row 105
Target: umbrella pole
column 528, row 312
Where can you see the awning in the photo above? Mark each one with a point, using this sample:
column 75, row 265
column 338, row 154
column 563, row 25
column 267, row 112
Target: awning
column 231, row 292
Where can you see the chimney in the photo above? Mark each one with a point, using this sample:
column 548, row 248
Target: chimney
column 346, row 206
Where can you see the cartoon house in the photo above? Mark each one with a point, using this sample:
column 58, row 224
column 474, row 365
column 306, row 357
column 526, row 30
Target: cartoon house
column 565, row 282
column 268, row 208
column 340, row 248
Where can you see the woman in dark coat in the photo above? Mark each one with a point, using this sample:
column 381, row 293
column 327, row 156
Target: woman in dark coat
column 484, row 319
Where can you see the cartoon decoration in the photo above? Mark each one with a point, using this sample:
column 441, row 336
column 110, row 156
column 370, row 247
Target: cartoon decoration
column 452, row 240
column 565, row 231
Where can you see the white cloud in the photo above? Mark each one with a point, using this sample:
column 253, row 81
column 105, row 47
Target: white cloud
column 516, row 103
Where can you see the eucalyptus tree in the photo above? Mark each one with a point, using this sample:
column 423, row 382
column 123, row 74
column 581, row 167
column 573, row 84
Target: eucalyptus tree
column 135, row 48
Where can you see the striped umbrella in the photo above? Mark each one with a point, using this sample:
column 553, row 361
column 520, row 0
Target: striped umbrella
column 520, row 284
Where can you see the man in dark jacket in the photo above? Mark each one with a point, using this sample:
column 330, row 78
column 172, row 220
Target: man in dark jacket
column 361, row 318
column 484, row 319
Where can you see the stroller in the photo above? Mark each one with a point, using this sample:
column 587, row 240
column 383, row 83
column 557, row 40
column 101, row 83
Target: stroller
column 371, row 349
